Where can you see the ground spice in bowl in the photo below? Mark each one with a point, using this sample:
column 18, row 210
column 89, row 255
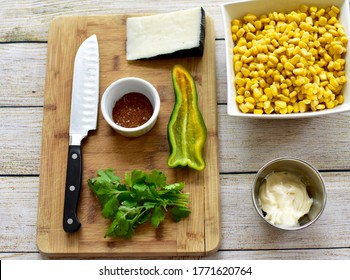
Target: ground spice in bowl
column 132, row 110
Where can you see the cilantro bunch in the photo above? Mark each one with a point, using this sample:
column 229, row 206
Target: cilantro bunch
column 143, row 197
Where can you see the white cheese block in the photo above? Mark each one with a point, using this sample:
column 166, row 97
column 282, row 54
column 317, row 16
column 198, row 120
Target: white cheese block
column 174, row 34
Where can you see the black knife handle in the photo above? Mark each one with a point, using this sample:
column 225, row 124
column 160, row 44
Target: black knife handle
column 72, row 192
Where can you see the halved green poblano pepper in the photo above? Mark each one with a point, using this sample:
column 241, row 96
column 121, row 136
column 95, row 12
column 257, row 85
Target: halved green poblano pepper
column 187, row 132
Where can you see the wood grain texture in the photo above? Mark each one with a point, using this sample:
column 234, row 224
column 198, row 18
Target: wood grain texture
column 24, row 67
column 22, row 74
column 18, row 212
column 248, row 144
column 29, row 20
column 247, row 231
column 309, row 254
column 20, row 139
column 245, row 236
column 243, row 145
column 200, row 233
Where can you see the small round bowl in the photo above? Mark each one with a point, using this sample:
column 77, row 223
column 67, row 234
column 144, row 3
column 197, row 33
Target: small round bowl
column 309, row 176
column 117, row 90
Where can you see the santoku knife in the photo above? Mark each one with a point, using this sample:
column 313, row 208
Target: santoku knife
column 83, row 118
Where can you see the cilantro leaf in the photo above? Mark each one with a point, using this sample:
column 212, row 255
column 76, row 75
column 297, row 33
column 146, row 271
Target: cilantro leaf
column 144, row 197
column 136, row 176
column 180, row 213
column 156, row 178
column 157, row 216
column 120, row 226
column 142, row 192
column 110, row 207
column 108, row 175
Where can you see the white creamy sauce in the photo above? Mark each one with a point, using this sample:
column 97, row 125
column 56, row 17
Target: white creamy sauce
column 284, row 198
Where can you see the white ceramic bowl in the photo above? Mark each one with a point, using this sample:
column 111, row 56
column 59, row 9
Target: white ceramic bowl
column 117, row 90
column 239, row 8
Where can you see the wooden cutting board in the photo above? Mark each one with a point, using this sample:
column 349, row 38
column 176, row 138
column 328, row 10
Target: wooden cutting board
column 197, row 235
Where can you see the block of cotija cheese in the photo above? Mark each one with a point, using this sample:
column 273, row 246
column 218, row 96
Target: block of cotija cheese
column 174, row 34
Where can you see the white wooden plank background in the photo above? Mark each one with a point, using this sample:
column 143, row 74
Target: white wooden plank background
column 245, row 145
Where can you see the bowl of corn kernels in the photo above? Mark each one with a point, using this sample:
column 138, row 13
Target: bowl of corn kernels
column 287, row 59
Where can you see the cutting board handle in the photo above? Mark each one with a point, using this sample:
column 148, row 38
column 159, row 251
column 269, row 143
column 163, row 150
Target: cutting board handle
column 72, row 192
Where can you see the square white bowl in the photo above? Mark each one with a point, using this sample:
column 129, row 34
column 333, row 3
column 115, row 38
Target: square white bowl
column 236, row 9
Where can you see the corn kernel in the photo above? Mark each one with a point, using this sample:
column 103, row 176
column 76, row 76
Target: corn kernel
column 283, row 98
column 302, row 106
column 254, row 85
column 290, row 109
column 234, row 28
column 299, row 71
column 262, row 57
column 344, row 40
column 250, row 36
column 338, row 49
column 300, row 81
column 322, row 21
column 320, row 107
column 295, row 107
column 342, row 79
column 249, row 18
column 245, row 72
column 280, row 50
column 263, row 98
column 275, row 43
column 258, row 24
column 250, row 99
column 340, row 99
column 332, row 13
column 240, row 99
column 236, row 22
column 274, row 90
column 240, row 91
column 262, row 82
column 258, row 111
column 273, row 59
column 264, row 19
column 267, row 104
column 295, row 59
column 240, row 32
column 330, row 104
column 320, row 12
column 283, row 111
column 333, row 81
column 330, row 66
column 238, row 66
column 247, row 93
column 281, row 104
column 259, row 105
column 243, row 108
column 335, row 9
column 249, row 106
column 257, row 93
column 268, row 110
column 240, row 82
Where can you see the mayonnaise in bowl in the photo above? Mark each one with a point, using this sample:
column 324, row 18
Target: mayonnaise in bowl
column 284, row 199
column 289, row 193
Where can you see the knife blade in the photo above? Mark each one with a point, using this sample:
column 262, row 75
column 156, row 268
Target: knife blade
column 83, row 118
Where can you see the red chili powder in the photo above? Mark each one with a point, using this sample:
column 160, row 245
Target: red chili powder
column 132, row 110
